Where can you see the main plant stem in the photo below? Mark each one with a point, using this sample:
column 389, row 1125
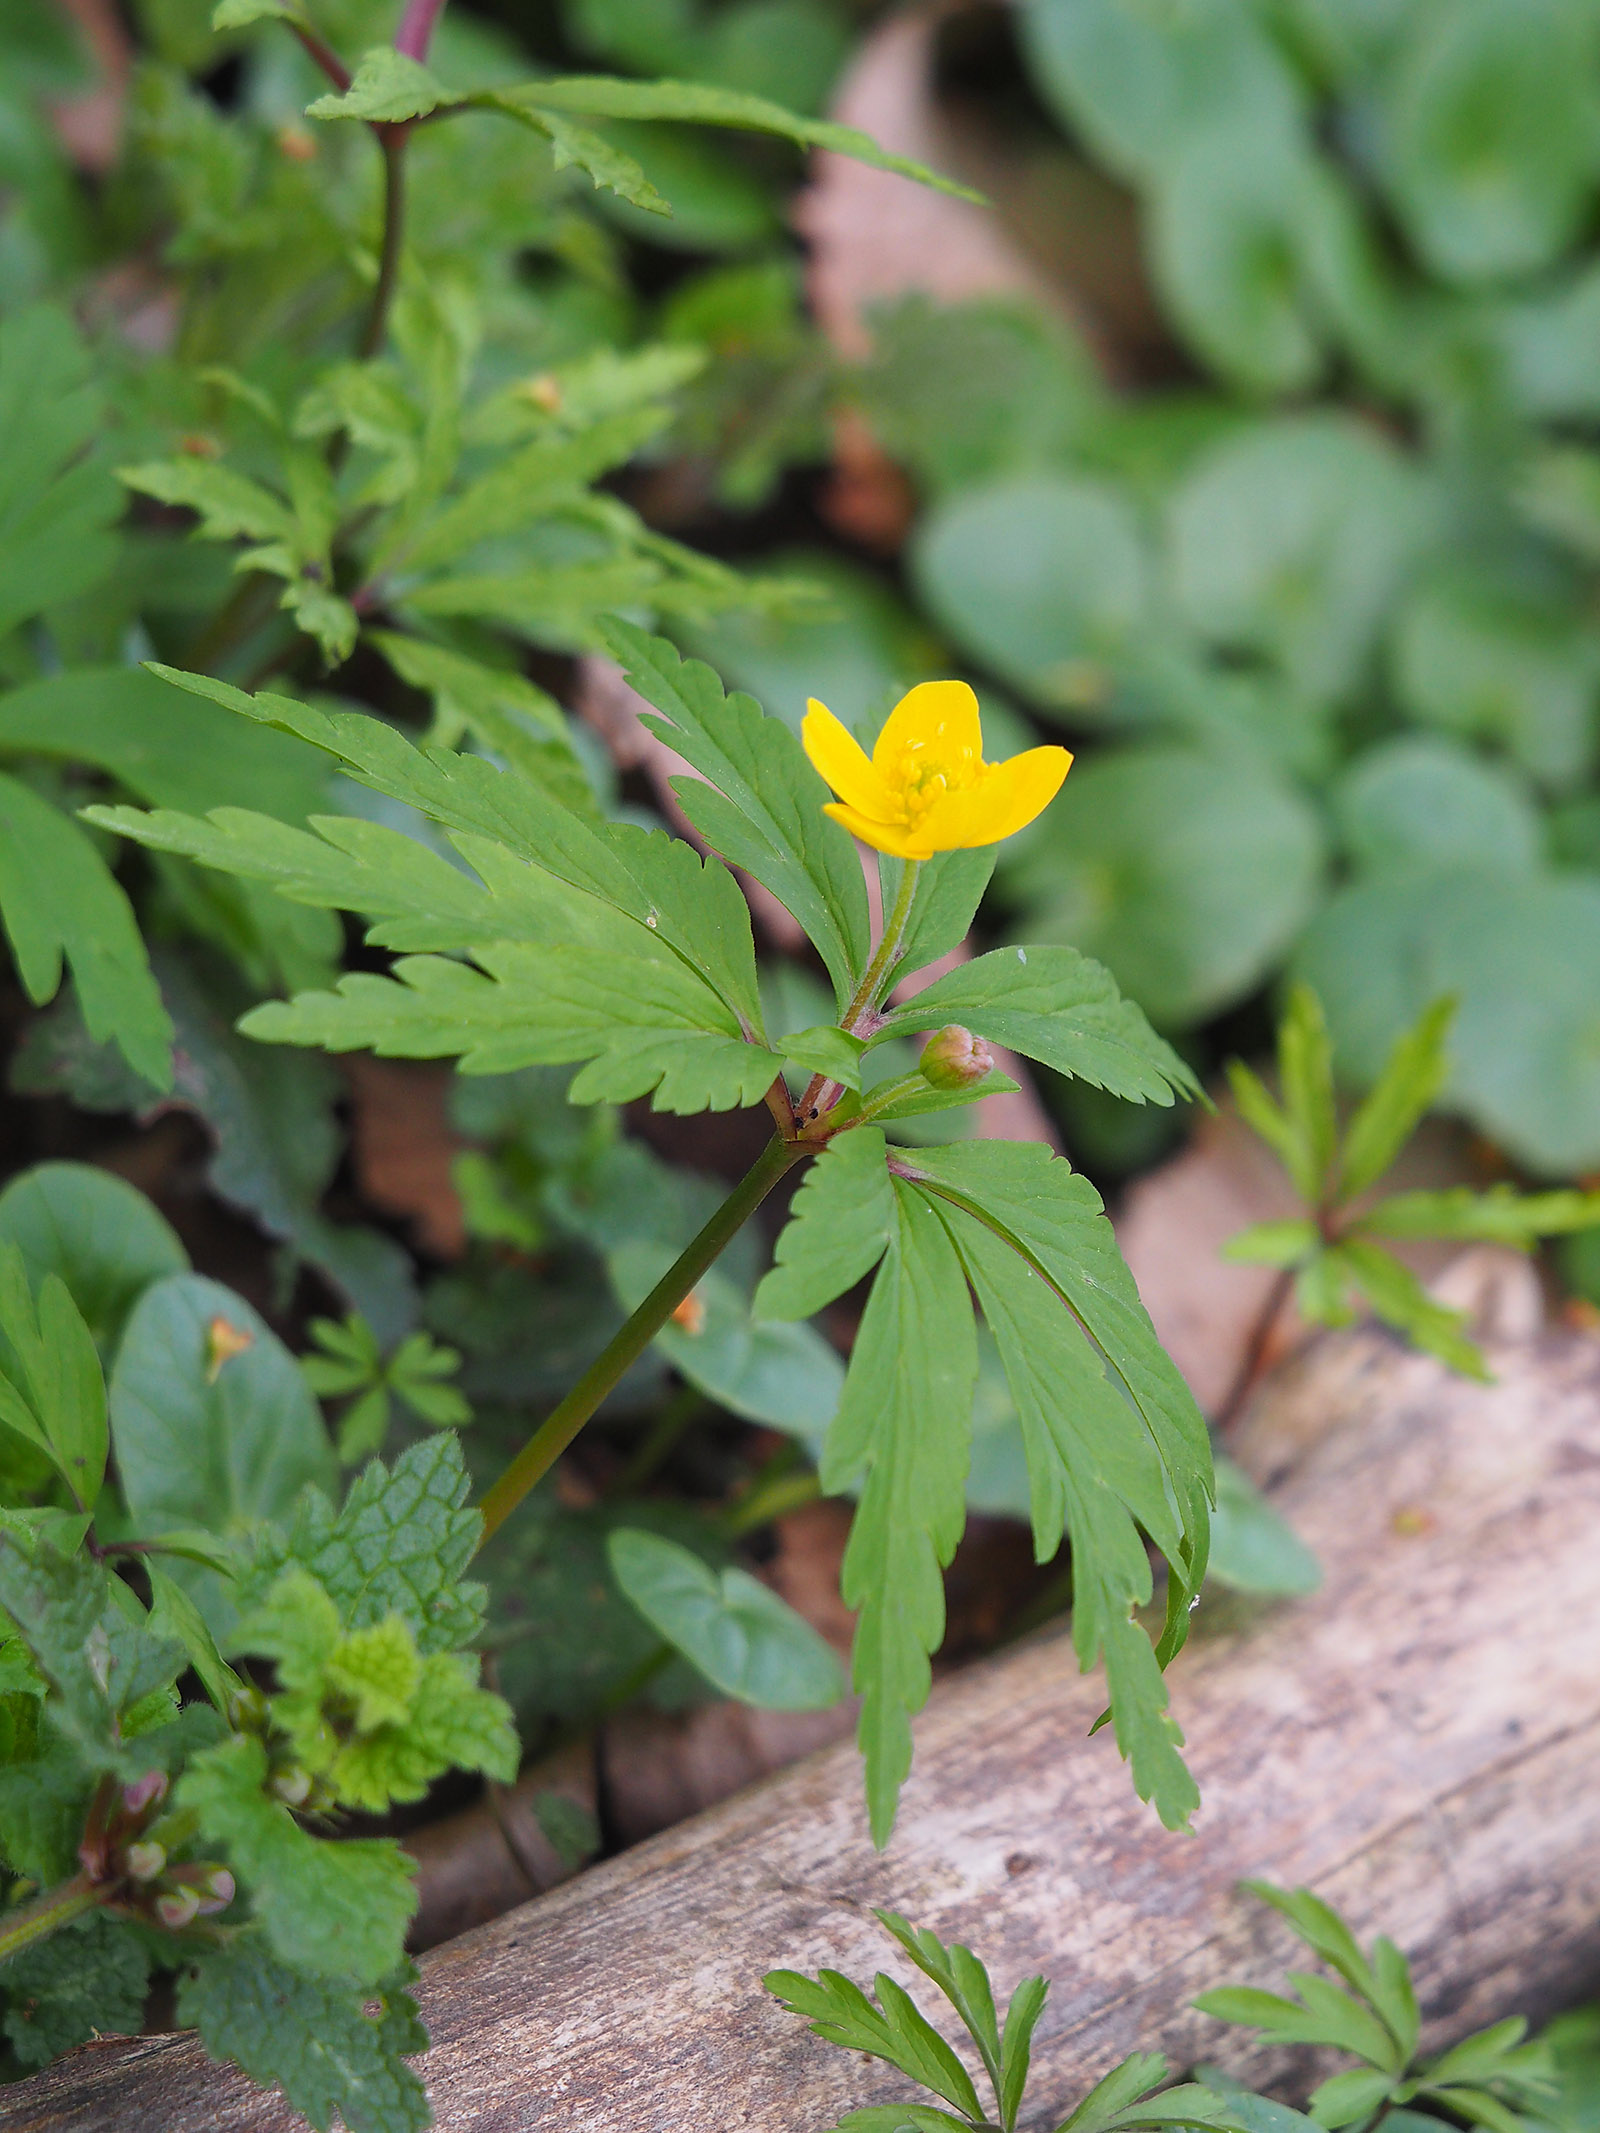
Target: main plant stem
column 57, row 1907
column 865, row 999
column 392, row 140
column 563, row 1423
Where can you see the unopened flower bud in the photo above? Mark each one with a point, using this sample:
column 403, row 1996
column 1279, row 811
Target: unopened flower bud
column 293, row 1786
column 178, row 1908
column 144, row 1792
column 145, row 1860
column 212, row 1887
column 247, row 1709
column 955, row 1059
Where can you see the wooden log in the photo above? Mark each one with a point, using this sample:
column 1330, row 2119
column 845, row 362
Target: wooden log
column 1417, row 1742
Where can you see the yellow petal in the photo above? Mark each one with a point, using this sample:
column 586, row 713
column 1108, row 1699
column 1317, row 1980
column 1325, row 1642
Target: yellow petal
column 835, row 751
column 1005, row 799
column 941, row 716
column 882, row 836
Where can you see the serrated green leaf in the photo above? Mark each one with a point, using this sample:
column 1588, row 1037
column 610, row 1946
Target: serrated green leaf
column 1016, row 2045
column 401, row 1544
column 677, row 901
column 829, row 1051
column 701, row 103
column 963, row 1980
column 745, row 1640
column 1055, row 1219
column 581, row 148
column 58, row 900
column 1057, row 1006
column 1401, row 1301
column 902, row 1432
column 644, row 1028
column 1412, row 1077
column 313, row 2039
column 331, row 1910
column 949, row 890
column 1094, row 1468
column 389, row 86
column 763, row 808
column 839, row 1226
column 57, row 501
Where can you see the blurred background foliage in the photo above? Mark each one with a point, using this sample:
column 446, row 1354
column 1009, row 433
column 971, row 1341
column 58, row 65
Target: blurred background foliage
column 1272, row 486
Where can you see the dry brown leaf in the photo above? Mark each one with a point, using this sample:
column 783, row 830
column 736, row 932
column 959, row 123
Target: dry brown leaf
column 402, row 1145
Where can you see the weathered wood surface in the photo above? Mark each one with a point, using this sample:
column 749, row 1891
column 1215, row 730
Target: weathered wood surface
column 1418, row 1742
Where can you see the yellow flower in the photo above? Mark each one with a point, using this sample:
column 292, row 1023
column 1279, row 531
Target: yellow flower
column 926, row 788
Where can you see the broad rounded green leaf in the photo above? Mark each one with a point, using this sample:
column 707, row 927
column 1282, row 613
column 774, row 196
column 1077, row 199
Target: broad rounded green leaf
column 1136, row 80
column 784, row 1375
column 207, row 1432
column 1502, row 661
column 107, row 1242
column 1493, row 135
column 1428, row 803
column 742, row 1637
column 1224, row 241
column 1252, row 1548
column 1185, row 874
column 1291, row 539
column 1042, row 577
column 1523, row 957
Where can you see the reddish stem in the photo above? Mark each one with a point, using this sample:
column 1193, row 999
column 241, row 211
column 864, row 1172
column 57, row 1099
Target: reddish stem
column 415, row 33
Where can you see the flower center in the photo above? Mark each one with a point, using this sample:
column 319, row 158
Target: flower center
column 920, row 777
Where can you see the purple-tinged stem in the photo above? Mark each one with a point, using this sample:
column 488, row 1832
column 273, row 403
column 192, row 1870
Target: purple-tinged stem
column 415, row 33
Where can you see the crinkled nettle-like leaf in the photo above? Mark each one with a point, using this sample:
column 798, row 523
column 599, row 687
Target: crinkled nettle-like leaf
column 902, row 1437
column 335, row 1910
column 313, row 2038
column 363, row 1710
column 1094, row 1468
column 762, row 809
column 88, row 1980
column 98, row 1656
column 1057, row 1006
column 1056, row 1221
column 645, row 1028
column 401, row 1545
column 839, row 1226
column 60, row 903
column 746, row 1641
